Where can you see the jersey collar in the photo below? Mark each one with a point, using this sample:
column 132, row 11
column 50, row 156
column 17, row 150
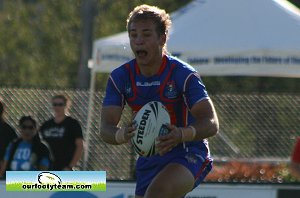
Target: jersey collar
column 161, row 69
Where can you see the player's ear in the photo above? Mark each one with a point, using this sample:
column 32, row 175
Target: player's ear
column 162, row 39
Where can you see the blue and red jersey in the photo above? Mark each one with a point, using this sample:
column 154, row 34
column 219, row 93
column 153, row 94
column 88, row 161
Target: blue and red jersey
column 177, row 85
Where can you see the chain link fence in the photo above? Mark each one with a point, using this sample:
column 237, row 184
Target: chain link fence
column 253, row 127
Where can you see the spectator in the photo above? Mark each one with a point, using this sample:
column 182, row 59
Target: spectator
column 7, row 133
column 63, row 134
column 27, row 153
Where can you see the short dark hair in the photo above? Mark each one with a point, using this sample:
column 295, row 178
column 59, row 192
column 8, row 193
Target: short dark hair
column 159, row 16
column 25, row 118
column 61, row 96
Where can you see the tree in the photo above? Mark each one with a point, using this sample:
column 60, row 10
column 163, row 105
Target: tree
column 46, row 44
column 39, row 43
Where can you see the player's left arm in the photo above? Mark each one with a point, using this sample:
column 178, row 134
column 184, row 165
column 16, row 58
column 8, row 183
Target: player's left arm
column 207, row 123
column 201, row 107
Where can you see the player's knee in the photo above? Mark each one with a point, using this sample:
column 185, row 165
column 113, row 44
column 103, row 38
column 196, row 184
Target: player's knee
column 159, row 191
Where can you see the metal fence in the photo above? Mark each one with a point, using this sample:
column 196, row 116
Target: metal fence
column 255, row 127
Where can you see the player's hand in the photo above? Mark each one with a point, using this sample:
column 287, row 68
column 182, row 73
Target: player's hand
column 123, row 135
column 167, row 142
column 129, row 130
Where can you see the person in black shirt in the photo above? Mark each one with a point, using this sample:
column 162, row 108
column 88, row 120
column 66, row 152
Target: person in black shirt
column 7, row 133
column 64, row 135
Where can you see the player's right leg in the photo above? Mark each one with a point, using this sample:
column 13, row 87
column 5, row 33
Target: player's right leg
column 174, row 181
column 169, row 170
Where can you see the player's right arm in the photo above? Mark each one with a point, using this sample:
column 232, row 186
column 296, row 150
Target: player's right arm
column 109, row 130
column 110, row 117
column 111, row 112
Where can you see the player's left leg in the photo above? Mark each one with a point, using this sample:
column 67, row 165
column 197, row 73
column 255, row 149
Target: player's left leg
column 175, row 180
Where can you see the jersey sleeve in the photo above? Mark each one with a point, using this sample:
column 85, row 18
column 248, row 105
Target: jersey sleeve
column 194, row 90
column 113, row 95
column 116, row 87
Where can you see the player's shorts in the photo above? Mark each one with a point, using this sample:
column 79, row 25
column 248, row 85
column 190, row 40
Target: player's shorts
column 296, row 152
column 193, row 158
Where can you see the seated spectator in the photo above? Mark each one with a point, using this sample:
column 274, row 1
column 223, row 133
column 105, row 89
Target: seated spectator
column 27, row 153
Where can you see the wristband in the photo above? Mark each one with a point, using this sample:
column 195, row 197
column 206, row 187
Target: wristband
column 188, row 135
column 120, row 136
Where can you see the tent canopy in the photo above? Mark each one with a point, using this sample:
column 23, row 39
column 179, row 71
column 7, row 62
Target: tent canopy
column 231, row 37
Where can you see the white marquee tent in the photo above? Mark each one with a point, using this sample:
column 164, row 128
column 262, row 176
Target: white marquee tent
column 227, row 37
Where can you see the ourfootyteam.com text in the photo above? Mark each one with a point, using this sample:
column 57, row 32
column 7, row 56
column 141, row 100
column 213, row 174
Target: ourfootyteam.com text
column 55, row 186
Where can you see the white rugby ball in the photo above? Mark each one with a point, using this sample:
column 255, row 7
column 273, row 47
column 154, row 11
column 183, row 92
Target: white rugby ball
column 151, row 122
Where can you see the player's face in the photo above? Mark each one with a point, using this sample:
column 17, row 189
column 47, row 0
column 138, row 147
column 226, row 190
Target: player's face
column 145, row 42
column 28, row 130
column 58, row 106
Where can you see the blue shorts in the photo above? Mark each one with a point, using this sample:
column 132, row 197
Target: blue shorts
column 192, row 157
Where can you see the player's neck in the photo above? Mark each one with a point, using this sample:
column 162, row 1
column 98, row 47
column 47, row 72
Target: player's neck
column 151, row 68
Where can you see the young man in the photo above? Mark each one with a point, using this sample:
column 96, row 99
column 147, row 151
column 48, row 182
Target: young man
column 64, row 135
column 184, row 159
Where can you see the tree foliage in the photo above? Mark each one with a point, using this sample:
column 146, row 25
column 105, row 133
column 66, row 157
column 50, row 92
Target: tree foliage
column 40, row 42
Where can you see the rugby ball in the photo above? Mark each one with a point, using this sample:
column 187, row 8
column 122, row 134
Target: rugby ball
column 151, row 122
